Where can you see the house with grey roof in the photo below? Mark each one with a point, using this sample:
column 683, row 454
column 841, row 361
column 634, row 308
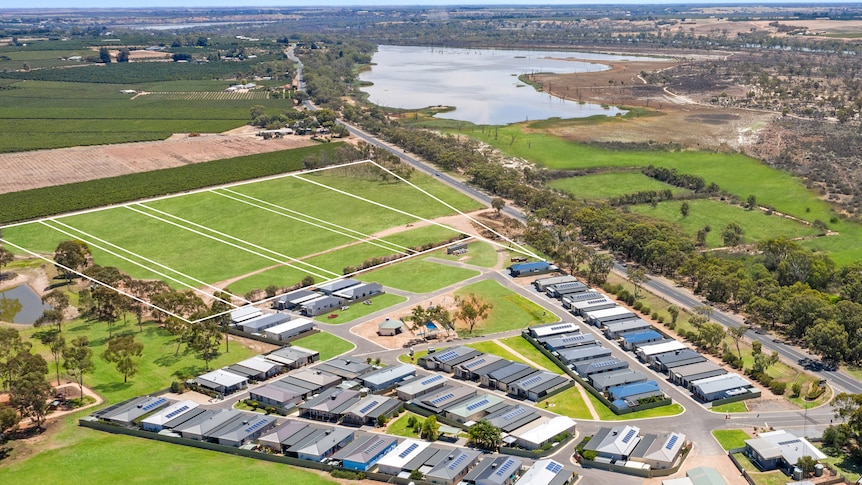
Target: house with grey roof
column 569, row 341
column 390, row 327
column 445, row 360
column 241, row 432
column 569, row 300
column 721, row 387
column 315, row 381
column 511, row 418
column 619, row 328
column 537, row 385
column 244, row 313
column 346, row 367
column 547, row 472
column 445, row 397
column 495, row 470
column 600, row 318
column 455, row 467
column 542, row 284
column 126, row 412
column 502, row 377
column 284, row 302
column 337, row 285
column 277, row 396
column 686, row 374
column 428, row 458
column 183, row 418
column 659, row 451
column 321, row 305
column 222, row 381
column 301, row 441
column 582, row 354
column 678, row 358
column 367, row 409
column 363, row 453
column 598, row 366
column 474, row 409
column 359, row 292
column 388, row 376
column 263, row 322
column 615, row 444
column 322, row 444
column 256, row 368
column 293, row 357
column 202, row 425
column 158, row 421
column 621, row 377
column 564, row 289
column 420, row 386
column 465, row 370
column 329, row 405
column 595, row 302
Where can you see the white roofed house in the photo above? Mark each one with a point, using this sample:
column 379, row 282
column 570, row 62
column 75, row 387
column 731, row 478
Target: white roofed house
column 156, row 422
column 359, row 292
column 395, row 461
column 288, row 330
column 546, row 472
column 541, row 432
column 256, row 368
column 293, row 357
column 337, row 285
column 244, row 313
column 550, row 329
column 263, row 322
column 323, row 304
column 780, row 449
column 222, row 381
column 388, row 376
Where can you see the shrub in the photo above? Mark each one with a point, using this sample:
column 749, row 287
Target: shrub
column 589, row 455
column 608, row 288
column 623, row 295
column 778, row 388
column 659, row 318
column 254, row 404
column 637, row 305
column 630, row 299
column 178, row 387
column 815, row 393
column 270, row 410
column 654, row 316
column 411, row 421
column 796, row 389
column 347, row 475
column 646, row 310
column 670, row 325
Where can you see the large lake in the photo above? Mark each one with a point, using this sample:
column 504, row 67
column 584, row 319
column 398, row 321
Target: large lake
column 482, row 84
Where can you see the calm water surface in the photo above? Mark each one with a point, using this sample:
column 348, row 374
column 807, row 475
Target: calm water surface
column 20, row 305
column 482, row 84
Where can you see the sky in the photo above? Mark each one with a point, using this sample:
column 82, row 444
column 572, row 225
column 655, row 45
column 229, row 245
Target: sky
column 65, row 4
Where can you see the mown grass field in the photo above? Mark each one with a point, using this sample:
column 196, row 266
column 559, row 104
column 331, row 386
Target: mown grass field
column 418, row 275
column 731, row 438
column 716, row 214
column 568, row 403
column 521, row 346
column 510, row 311
column 217, row 235
column 478, row 253
column 358, row 310
column 43, row 114
column 612, row 184
column 327, row 344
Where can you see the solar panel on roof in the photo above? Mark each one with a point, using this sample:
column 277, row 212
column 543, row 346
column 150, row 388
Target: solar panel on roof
column 442, row 398
column 516, row 412
column 789, row 442
column 431, row 379
column 554, row 467
column 474, row 364
column 158, row 402
column 368, row 406
column 374, row 446
column 447, row 356
column 457, row 461
column 631, row 434
column 573, row 338
column 256, row 425
column 560, row 327
column 409, row 450
column 477, row 404
column 672, row 441
column 505, row 467
column 176, row 412
column 532, row 380
column 599, row 365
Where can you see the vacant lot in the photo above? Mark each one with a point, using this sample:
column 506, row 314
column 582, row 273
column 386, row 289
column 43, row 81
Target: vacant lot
column 612, row 184
column 510, row 311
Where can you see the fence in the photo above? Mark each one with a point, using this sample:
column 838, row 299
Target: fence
column 838, row 478
column 639, row 472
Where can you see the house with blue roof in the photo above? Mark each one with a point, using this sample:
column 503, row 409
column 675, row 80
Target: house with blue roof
column 635, row 392
column 631, row 341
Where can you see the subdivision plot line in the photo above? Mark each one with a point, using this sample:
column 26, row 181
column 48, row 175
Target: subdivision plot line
column 270, row 258
column 136, row 263
column 144, row 258
column 321, row 221
column 358, row 239
column 520, row 248
column 82, row 275
column 243, row 241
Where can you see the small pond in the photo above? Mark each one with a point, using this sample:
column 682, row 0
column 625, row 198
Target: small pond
column 20, row 305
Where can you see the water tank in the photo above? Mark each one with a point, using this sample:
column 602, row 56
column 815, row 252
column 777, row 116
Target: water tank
column 818, row 470
column 797, row 473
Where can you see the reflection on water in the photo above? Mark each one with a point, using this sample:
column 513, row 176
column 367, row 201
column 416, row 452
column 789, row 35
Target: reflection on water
column 482, row 84
column 20, row 305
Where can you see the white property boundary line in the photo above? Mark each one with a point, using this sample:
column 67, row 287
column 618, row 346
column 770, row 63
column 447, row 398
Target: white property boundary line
column 54, row 219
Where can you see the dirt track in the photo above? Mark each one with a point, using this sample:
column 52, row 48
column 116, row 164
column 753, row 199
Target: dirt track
column 45, row 168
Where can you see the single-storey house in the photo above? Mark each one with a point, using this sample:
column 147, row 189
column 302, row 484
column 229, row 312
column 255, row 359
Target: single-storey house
column 420, row 386
column 617, row 378
column 563, row 289
column 363, row 453
column 201, row 427
column 321, row 444
column 648, row 353
column 635, row 391
column 126, row 412
column 511, row 418
column 528, row 269
column 678, row 358
column 156, row 422
column 633, row 340
column 294, row 435
column 319, row 305
column 780, row 449
column 546, row 472
column 388, row 376
column 686, row 374
column 367, row 409
column 598, row 366
column 615, row 443
column 284, row 301
column 428, row 458
column 312, row 381
column 330, row 405
column 222, row 381
column 183, row 418
column 600, row 318
column 446, row 359
column 359, row 292
column 542, row 284
column 495, row 470
column 274, row 437
column 296, row 302
column 568, row 341
column 451, row 470
column 465, row 370
column 550, row 329
column 256, row 368
column 294, row 357
column 275, row 395
column 503, row 377
column 541, row 432
column 395, row 461
column 473, row 409
column 289, row 330
column 597, row 302
column 619, row 328
column 244, row 313
column 445, row 397
column 658, row 451
column 263, row 322
column 337, row 285
column 390, row 327
column 238, row 433
column 720, row 387
column 581, row 354
column 346, row 367
column 537, row 386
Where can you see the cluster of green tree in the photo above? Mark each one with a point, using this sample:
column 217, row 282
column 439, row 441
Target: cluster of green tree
column 329, row 73
column 673, row 177
column 845, row 438
column 293, row 118
column 652, row 197
column 30, row 204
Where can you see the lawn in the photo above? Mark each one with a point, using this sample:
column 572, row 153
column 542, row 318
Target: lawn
column 478, row 253
column 568, row 403
column 746, row 463
column 715, row 214
column 525, row 348
column 612, row 184
column 418, row 275
column 327, row 344
column 405, row 358
column 399, row 426
column 850, row 467
column 731, row 438
column 357, row 310
column 734, row 407
column 510, row 311
column 605, row 414
column 490, row 347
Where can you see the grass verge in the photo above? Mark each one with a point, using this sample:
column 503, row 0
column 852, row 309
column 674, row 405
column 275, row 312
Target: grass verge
column 327, row 344
column 730, row 438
